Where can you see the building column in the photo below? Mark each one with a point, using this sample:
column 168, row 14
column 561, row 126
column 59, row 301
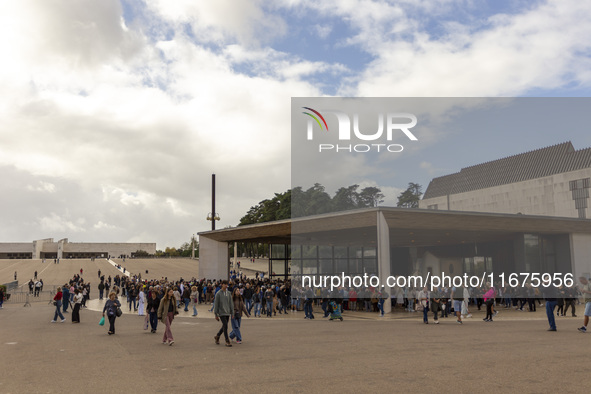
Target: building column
column 213, row 259
column 383, row 252
column 580, row 245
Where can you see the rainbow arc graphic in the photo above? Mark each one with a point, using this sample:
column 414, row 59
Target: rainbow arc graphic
column 315, row 118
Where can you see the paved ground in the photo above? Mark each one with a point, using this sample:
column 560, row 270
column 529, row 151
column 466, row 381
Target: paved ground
column 514, row 353
column 57, row 274
column 285, row 353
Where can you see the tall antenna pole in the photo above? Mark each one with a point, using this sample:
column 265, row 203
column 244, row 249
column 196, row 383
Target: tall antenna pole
column 213, row 202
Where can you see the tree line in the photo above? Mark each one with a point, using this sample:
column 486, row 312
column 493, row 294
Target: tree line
column 298, row 202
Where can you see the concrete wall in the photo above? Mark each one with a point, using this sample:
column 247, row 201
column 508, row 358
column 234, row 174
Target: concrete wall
column 581, row 255
column 63, row 246
column 38, row 247
column 16, row 247
column 113, row 249
column 548, row 196
column 213, row 259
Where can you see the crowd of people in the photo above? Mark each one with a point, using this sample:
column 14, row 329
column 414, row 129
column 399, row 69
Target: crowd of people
column 160, row 300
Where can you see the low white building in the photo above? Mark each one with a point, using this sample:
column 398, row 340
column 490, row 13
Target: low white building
column 47, row 248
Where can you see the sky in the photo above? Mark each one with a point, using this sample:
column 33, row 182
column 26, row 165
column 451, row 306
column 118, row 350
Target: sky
column 114, row 114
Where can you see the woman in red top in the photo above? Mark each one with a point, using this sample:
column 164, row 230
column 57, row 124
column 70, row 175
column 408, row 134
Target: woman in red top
column 57, row 300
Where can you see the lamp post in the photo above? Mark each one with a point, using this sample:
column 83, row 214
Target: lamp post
column 213, row 217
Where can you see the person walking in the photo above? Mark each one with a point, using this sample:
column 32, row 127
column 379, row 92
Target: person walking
column 77, row 304
column 551, row 296
column 141, row 303
column 186, row 297
column 57, row 301
column 423, row 298
column 256, row 298
column 570, row 300
column 194, row 299
column 153, row 305
column 101, row 289
column 223, row 308
column 489, row 298
column 457, row 295
column 586, row 292
column 38, row 286
column 308, row 303
column 239, row 308
column 269, row 301
column 111, row 307
column 247, row 296
column 435, row 304
column 65, row 298
column 166, row 312
column 131, row 294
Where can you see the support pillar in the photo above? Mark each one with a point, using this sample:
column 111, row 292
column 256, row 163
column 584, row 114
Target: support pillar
column 383, row 252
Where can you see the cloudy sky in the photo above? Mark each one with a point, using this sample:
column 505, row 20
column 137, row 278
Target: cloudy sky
column 114, row 114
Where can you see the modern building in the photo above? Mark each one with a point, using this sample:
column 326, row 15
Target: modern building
column 387, row 242
column 522, row 214
column 552, row 181
column 47, row 248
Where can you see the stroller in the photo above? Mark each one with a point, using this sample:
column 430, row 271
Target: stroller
column 335, row 311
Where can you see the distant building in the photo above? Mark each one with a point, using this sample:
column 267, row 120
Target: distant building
column 552, row 181
column 48, row 249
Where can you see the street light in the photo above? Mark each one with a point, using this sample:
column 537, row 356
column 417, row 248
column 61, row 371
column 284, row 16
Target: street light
column 215, row 216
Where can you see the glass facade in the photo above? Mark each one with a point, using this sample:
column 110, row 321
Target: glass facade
column 332, row 260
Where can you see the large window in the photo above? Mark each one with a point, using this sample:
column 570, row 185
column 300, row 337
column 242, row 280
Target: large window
column 333, row 260
column 478, row 265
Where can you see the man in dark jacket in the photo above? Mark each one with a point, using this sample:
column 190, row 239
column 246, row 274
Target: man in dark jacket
column 101, row 289
column 186, row 297
column 247, row 295
column 223, row 308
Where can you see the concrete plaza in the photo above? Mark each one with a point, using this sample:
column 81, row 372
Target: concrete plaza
column 362, row 354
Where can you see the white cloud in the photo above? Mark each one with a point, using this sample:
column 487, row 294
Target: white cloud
column 56, row 223
column 323, row 31
column 246, row 22
column 42, row 187
column 541, row 48
column 111, row 128
column 100, row 225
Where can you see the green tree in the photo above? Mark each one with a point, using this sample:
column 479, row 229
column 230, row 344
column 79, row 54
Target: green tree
column 346, row 198
column 318, row 201
column 171, row 252
column 141, row 253
column 410, row 197
column 370, row 197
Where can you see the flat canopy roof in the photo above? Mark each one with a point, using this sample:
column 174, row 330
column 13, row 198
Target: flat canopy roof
column 408, row 226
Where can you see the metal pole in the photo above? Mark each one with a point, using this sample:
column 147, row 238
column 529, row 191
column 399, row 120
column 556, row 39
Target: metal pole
column 212, row 202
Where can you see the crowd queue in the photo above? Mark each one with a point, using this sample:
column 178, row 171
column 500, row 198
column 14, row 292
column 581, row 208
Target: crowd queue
column 160, row 300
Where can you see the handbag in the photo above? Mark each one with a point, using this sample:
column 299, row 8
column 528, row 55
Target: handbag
column 118, row 312
column 102, row 321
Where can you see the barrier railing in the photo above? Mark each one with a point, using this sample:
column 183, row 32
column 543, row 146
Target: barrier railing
column 22, row 297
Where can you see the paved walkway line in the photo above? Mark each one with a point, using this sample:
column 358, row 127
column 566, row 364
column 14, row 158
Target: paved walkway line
column 114, row 264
